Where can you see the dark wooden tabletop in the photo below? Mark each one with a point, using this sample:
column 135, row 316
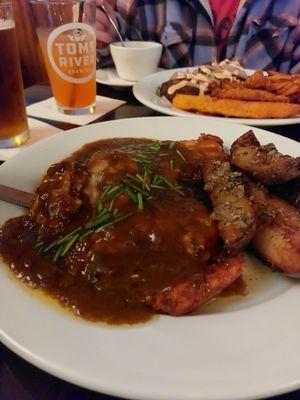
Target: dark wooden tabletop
column 19, row 379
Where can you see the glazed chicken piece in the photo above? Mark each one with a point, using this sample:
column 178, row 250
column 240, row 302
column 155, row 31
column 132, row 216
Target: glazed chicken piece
column 167, row 254
column 57, row 199
column 263, row 163
column 232, row 209
column 171, row 280
column 187, row 296
column 70, row 187
column 277, row 238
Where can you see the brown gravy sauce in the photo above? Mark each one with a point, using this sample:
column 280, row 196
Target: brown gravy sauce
column 111, row 273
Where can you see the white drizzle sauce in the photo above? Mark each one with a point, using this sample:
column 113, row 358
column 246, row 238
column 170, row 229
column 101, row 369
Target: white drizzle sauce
column 202, row 76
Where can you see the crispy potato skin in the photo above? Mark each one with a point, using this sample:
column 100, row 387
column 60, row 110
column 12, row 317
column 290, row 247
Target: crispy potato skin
column 277, row 238
column 234, row 108
column 188, row 295
column 231, row 208
column 263, row 163
column 233, row 211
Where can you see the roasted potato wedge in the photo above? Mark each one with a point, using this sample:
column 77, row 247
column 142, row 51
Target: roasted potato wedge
column 277, row 237
column 232, row 209
column 263, row 163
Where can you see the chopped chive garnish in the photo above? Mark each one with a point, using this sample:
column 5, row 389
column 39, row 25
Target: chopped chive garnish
column 140, row 178
column 112, row 222
column 99, row 220
column 178, row 190
column 58, row 253
column 105, row 191
column 138, row 189
column 140, row 202
column 62, row 240
column 85, row 234
column 171, row 145
column 156, row 187
column 145, row 182
column 69, row 245
column 168, row 183
column 171, row 162
column 130, row 194
column 111, row 205
column 112, row 190
column 180, row 154
column 133, row 178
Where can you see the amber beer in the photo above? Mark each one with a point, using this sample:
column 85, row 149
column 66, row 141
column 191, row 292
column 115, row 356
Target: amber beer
column 70, row 56
column 13, row 120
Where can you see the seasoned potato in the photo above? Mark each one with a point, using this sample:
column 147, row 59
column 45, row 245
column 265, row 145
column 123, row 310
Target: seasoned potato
column 277, row 238
column 263, row 163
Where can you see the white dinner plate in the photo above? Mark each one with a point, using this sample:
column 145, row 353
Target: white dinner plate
column 145, row 92
column 246, row 347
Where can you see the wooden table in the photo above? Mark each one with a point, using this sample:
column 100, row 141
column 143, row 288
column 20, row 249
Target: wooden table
column 19, row 379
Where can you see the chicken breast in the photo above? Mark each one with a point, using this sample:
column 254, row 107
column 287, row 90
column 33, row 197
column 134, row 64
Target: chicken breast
column 190, row 294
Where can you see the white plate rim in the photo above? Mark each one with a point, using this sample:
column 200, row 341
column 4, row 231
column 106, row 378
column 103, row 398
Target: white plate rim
column 117, row 82
column 77, row 379
column 144, row 91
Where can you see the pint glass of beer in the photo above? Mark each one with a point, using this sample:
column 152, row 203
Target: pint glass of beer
column 13, row 119
column 66, row 32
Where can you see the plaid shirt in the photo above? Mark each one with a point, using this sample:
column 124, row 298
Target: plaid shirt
column 265, row 34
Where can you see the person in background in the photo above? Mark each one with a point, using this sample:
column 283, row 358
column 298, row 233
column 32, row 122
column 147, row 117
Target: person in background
column 261, row 34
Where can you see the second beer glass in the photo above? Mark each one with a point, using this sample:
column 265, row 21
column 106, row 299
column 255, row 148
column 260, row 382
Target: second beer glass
column 66, row 32
column 13, row 119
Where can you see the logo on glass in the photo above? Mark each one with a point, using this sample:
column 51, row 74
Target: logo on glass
column 72, row 52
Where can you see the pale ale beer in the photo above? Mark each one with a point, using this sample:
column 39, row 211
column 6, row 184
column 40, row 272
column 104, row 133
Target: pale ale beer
column 13, row 119
column 69, row 51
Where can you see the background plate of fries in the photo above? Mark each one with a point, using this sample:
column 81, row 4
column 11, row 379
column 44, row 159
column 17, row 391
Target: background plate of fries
column 280, row 100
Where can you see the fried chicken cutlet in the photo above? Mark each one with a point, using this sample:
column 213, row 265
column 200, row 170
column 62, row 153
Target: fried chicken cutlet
column 204, row 104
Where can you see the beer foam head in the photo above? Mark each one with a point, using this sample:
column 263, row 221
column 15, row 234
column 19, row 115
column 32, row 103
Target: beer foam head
column 4, row 24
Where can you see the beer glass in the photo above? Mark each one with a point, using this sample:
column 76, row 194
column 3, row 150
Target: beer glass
column 66, row 32
column 13, row 120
